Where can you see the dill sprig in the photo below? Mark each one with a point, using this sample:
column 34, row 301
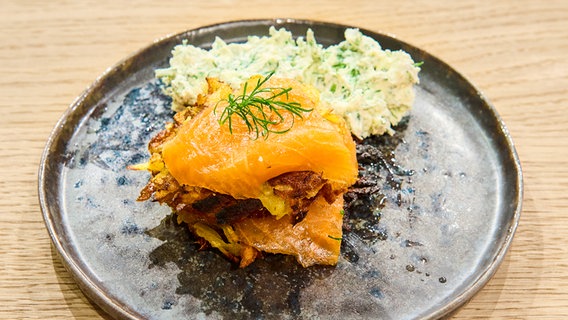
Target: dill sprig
column 256, row 110
column 334, row 238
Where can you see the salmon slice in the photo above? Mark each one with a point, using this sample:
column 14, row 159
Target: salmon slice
column 314, row 240
column 233, row 161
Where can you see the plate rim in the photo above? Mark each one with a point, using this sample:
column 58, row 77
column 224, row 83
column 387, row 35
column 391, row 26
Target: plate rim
column 112, row 305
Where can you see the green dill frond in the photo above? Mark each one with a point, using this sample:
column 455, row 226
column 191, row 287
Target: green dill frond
column 254, row 109
column 334, row 238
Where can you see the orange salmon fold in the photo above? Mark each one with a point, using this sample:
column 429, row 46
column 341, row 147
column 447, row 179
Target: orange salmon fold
column 206, row 154
column 314, row 240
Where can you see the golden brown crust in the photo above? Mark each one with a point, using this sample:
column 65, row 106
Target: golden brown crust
column 298, row 189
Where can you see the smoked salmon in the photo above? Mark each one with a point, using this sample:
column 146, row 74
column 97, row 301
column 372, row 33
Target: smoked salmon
column 314, row 240
column 210, row 156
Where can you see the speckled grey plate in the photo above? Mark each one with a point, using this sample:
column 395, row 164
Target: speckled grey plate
column 442, row 234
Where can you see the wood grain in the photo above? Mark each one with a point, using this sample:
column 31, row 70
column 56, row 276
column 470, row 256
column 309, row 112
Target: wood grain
column 514, row 51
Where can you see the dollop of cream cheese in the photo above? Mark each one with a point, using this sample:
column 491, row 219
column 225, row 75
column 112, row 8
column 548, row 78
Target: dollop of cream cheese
column 371, row 88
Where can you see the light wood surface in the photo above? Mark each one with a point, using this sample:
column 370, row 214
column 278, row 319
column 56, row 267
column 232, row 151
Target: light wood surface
column 514, row 51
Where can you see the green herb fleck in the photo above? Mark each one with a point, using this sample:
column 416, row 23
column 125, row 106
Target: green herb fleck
column 333, row 88
column 418, row 64
column 339, row 65
column 335, row 238
column 342, row 212
column 252, row 108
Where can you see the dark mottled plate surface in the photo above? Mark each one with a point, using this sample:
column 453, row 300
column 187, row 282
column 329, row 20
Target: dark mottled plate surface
column 449, row 184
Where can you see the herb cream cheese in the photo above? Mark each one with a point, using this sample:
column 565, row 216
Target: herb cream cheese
column 371, row 88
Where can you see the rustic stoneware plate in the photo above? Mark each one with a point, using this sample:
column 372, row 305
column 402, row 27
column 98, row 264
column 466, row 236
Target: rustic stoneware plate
column 451, row 205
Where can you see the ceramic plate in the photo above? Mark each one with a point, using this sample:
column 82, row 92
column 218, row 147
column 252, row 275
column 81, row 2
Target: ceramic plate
column 450, row 180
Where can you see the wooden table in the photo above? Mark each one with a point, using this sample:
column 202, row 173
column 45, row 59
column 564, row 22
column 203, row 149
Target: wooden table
column 514, row 51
